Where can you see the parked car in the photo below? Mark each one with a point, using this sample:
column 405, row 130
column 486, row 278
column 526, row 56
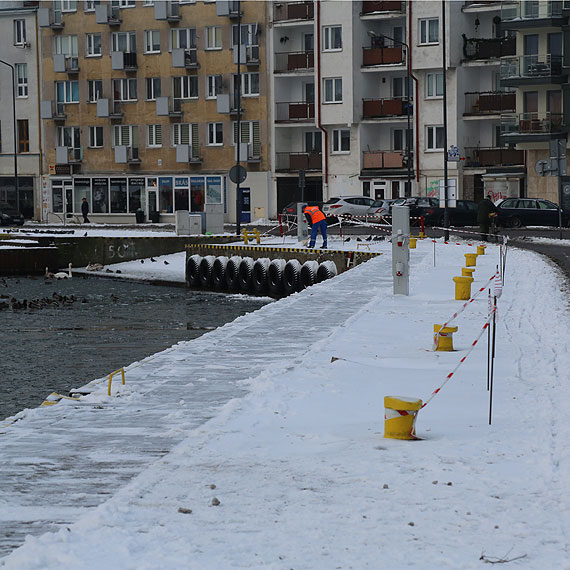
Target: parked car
column 422, row 206
column 291, row 208
column 382, row 207
column 517, row 212
column 348, row 206
column 463, row 214
column 9, row 216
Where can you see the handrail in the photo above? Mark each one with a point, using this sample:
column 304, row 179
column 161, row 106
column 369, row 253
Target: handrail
column 122, row 371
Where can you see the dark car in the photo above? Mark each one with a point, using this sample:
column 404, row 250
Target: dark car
column 463, row 214
column 291, row 208
column 9, row 216
column 422, row 206
column 517, row 212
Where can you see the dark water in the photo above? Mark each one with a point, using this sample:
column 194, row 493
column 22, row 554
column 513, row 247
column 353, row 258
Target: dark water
column 110, row 324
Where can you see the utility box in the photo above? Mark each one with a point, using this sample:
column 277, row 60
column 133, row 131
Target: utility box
column 182, row 222
column 195, row 224
column 401, row 249
column 214, row 218
column 302, row 224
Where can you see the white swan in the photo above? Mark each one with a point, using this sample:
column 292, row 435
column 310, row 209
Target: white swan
column 63, row 274
column 48, row 274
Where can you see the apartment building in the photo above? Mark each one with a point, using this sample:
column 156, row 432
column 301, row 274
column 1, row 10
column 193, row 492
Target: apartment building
column 19, row 114
column 140, row 107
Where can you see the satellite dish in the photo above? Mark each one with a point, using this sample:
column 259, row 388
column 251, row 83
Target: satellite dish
column 542, row 167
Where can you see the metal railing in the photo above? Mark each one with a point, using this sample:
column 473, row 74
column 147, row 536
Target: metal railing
column 383, row 56
column 294, row 111
column 532, row 123
column 293, row 61
column 372, row 6
column 490, row 102
column 527, row 66
column 493, row 156
column 384, row 159
column 294, row 161
column 293, row 11
column 372, row 108
column 480, row 48
column 531, row 10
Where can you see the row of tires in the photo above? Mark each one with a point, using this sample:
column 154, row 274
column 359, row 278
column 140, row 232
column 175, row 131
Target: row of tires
column 261, row 276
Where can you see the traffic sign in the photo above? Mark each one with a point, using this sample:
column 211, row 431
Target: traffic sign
column 238, row 174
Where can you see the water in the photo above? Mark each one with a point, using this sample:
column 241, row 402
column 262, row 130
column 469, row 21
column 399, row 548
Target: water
column 111, row 324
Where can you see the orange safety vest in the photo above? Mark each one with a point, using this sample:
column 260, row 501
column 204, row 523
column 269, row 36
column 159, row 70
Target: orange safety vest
column 315, row 213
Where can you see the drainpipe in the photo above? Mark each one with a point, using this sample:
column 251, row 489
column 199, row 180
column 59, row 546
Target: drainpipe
column 416, row 96
column 319, row 124
column 40, row 89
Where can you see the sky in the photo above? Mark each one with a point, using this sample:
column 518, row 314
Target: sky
column 295, row 472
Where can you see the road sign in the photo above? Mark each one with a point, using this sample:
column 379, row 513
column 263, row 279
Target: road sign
column 238, row 172
column 453, row 154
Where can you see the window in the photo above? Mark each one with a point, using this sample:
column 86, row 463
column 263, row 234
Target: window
column 313, row 142
column 185, row 133
column 125, row 135
column 68, row 136
column 434, row 85
column 154, row 136
column 124, row 3
column 249, row 35
column 213, row 86
column 400, row 87
column 215, row 134
column 429, row 31
column 22, row 79
column 333, row 90
column 434, row 138
column 65, row 5
column 66, row 45
column 95, row 137
column 400, row 138
column 152, row 88
column 184, row 38
column 250, row 84
column 341, row 140
column 23, row 136
column 332, row 38
column 250, row 133
column 67, row 91
column 94, row 90
column 214, row 37
column 185, row 87
column 152, row 41
column 148, row 2
column 93, row 45
column 19, row 32
column 89, row 5
column 125, row 89
column 124, row 41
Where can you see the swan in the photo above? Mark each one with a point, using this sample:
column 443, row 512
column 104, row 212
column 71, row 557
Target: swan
column 48, row 274
column 63, row 274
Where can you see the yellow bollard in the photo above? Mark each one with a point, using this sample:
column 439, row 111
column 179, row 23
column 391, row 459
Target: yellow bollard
column 467, row 271
column 400, row 417
column 470, row 259
column 463, row 288
column 422, row 235
column 445, row 337
column 413, row 243
column 481, row 249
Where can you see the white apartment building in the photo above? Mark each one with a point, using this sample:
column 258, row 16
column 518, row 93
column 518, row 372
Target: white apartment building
column 19, row 104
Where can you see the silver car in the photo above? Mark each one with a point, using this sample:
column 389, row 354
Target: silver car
column 349, row 206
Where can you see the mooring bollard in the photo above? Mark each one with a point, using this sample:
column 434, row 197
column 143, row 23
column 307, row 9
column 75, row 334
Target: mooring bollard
column 481, row 249
column 470, row 259
column 463, row 288
column 400, row 417
column 444, row 338
column 467, row 271
column 413, row 243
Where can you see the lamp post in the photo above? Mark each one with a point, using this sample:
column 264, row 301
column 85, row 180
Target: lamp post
column 16, row 187
column 372, row 34
column 238, row 157
column 445, row 157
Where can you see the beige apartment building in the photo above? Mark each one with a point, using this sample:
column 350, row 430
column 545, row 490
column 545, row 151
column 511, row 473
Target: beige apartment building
column 140, row 108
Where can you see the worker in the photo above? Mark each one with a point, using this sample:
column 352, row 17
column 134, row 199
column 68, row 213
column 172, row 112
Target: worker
column 485, row 209
column 318, row 221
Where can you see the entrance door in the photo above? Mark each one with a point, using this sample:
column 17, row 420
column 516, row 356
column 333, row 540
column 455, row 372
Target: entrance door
column 152, row 209
column 245, row 205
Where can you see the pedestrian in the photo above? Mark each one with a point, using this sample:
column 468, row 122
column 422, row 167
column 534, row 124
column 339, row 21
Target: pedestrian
column 485, row 209
column 85, row 210
column 318, row 222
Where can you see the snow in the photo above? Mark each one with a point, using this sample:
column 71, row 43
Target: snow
column 298, row 463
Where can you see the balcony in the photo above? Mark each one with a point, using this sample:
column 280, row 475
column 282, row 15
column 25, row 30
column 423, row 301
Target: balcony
column 488, row 157
column 481, row 103
column 52, row 110
column 127, row 155
column 382, row 6
column 65, row 64
column 124, row 60
column 50, row 18
column 493, row 48
column 481, row 5
column 531, row 70
column 294, row 112
column 383, row 56
column 532, row 127
column 68, row 155
column 287, row 11
column 248, row 55
column 294, row 61
column 107, row 14
column 186, row 154
column 187, row 58
column 229, row 8
column 167, row 10
column 382, row 159
column 295, row 161
column 522, row 15
column 381, row 108
column 109, row 109
column 169, row 107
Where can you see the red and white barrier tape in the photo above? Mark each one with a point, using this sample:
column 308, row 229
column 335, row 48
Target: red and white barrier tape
column 461, row 361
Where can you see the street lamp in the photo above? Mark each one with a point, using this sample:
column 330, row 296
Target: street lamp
column 16, row 187
column 373, row 34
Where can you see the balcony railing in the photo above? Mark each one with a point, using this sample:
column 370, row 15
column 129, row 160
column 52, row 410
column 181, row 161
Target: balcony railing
column 383, row 56
column 294, row 61
column 187, row 58
column 489, row 102
column 376, row 108
column 372, row 6
column 294, row 11
column 476, row 48
column 294, row 111
column 378, row 159
column 469, row 3
column 289, row 161
column 531, row 10
column 489, row 156
column 532, row 123
column 529, row 66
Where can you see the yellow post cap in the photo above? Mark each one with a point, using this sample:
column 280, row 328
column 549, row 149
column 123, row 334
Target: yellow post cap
column 402, row 403
column 445, row 330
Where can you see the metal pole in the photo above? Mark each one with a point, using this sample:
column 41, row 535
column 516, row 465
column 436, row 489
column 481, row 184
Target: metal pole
column 238, row 196
column 16, row 185
column 445, row 174
column 408, row 191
